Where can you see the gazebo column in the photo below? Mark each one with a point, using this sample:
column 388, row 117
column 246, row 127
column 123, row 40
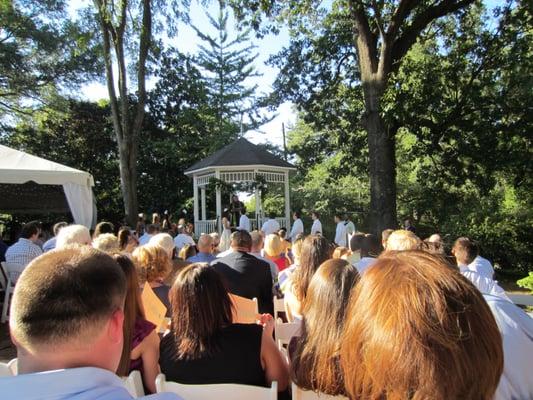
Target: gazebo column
column 287, row 202
column 202, row 202
column 257, row 194
column 219, row 203
column 195, row 197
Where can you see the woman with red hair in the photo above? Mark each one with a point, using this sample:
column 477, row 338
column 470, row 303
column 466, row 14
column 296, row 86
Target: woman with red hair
column 418, row 329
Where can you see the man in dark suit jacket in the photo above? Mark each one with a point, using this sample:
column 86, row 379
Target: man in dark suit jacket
column 246, row 275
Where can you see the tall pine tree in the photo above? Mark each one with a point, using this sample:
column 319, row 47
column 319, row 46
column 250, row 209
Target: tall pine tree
column 227, row 66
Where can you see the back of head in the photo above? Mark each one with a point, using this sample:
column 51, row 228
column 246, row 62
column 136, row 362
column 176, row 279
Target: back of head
column 152, row 229
column 58, row 226
column 340, row 252
column 397, row 343
column 356, row 242
column 465, row 251
column 106, row 242
column 257, row 240
column 297, row 214
column 201, row 307
column 205, row 244
column 187, row 251
column 315, row 364
column 103, row 227
column 73, row 235
column 282, row 233
column 403, row 240
column 315, row 250
column 29, row 229
column 124, row 234
column 385, row 236
column 241, row 240
column 371, row 246
column 64, row 298
column 163, row 240
column 273, row 245
column 152, row 263
column 296, row 247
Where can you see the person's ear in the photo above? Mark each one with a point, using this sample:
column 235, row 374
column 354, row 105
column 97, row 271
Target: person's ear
column 115, row 326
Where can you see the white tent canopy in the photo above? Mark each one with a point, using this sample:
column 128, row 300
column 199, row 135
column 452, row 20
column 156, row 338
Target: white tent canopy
column 19, row 169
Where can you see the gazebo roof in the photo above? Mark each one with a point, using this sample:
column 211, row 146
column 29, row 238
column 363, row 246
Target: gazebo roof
column 240, row 153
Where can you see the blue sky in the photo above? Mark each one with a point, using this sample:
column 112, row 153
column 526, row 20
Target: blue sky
column 187, row 42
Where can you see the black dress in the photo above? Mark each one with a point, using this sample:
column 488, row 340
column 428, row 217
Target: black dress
column 238, row 359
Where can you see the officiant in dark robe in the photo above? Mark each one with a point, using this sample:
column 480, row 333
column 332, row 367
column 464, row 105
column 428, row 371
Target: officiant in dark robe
column 235, row 208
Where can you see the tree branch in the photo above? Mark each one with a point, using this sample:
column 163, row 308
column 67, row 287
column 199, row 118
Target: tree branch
column 365, row 39
column 402, row 45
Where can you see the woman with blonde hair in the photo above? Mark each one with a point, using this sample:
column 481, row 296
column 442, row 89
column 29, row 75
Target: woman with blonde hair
column 314, row 356
column 141, row 342
column 417, row 329
column 154, row 265
column 274, row 250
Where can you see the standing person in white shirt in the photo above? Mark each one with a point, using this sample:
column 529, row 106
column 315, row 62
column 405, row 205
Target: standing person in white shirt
column 244, row 221
column 270, row 226
column 340, row 232
column 472, row 260
column 297, row 226
column 350, row 226
column 182, row 238
column 316, row 229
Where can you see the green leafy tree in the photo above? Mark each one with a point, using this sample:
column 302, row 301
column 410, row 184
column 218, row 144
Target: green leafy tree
column 380, row 34
column 40, row 51
column 227, row 65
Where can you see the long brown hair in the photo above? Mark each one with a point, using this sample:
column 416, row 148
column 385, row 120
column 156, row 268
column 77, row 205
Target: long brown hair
column 418, row 329
column 133, row 308
column 315, row 362
column 315, row 250
column 201, row 307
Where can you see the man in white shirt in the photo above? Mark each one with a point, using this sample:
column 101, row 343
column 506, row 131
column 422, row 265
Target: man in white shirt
column 465, row 252
column 350, row 226
column 516, row 328
column 317, row 225
column 297, row 226
column 19, row 255
column 69, row 345
column 150, row 230
column 482, row 266
column 244, row 221
column 270, row 226
column 340, row 232
column 182, row 238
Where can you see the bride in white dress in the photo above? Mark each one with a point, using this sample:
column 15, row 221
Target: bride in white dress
column 225, row 238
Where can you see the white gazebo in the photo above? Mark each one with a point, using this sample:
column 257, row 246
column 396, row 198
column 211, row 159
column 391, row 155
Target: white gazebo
column 240, row 162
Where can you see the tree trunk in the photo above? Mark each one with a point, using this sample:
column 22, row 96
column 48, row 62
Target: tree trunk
column 382, row 163
column 128, row 180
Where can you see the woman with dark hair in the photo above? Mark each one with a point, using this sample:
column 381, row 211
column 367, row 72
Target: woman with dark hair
column 141, row 342
column 417, row 329
column 314, row 356
column 127, row 240
column 370, row 250
column 103, row 227
column 315, row 250
column 204, row 346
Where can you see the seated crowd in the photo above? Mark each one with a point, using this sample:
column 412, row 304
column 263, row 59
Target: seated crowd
column 377, row 318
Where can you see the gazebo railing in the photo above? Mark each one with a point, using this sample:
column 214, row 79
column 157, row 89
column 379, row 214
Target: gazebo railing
column 207, row 226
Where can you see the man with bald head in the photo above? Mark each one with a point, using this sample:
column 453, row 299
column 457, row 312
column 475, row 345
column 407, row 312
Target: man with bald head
column 66, row 322
column 205, row 250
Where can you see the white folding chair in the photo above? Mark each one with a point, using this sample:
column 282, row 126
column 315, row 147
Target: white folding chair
column 10, row 287
column 13, row 366
column 5, row 371
column 3, row 276
column 217, row 391
column 245, row 311
column 299, row 394
column 279, row 307
column 283, row 333
column 134, row 383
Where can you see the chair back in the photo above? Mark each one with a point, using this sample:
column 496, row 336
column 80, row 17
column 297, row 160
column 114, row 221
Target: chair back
column 134, row 384
column 10, row 286
column 217, row 391
column 284, row 332
column 245, row 311
column 3, row 276
column 299, row 394
column 279, row 307
column 5, row 371
column 14, row 366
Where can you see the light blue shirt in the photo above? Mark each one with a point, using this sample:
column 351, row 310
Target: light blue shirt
column 86, row 383
column 50, row 244
column 202, row 257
